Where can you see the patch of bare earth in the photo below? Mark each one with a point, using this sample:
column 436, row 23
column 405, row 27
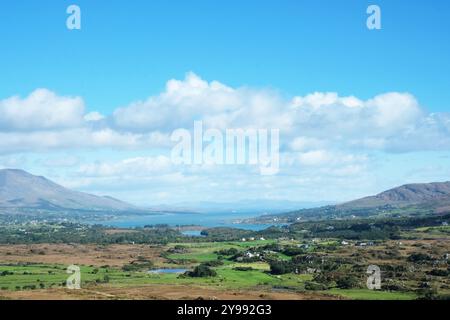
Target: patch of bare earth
column 160, row 292
column 119, row 231
column 96, row 255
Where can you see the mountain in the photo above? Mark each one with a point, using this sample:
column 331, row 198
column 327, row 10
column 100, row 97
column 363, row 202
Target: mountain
column 404, row 195
column 410, row 199
column 248, row 206
column 22, row 191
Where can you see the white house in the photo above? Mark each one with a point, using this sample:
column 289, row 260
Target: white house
column 251, row 255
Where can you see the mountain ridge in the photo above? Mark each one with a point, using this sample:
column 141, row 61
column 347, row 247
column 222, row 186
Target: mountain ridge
column 22, row 190
column 407, row 199
column 406, row 194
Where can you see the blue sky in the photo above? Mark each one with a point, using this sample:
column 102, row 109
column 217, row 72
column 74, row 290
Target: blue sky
column 126, row 52
column 295, row 46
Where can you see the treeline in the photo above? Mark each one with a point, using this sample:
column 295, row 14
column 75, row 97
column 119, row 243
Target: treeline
column 334, row 212
column 225, row 234
column 364, row 229
column 78, row 233
column 350, row 229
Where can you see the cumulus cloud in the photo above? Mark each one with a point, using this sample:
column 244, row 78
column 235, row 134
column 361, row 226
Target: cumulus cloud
column 329, row 142
column 82, row 138
column 45, row 121
column 141, row 179
column 139, row 166
column 349, row 122
column 392, row 122
column 218, row 105
column 94, row 116
column 42, row 109
column 63, row 162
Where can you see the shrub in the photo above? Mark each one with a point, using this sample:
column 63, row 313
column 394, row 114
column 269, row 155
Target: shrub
column 419, row 257
column 29, row 287
column 213, row 263
column 392, row 285
column 243, row 268
column 293, row 251
column 280, row 267
column 201, row 271
column 439, row 273
column 315, row 286
column 228, row 252
column 137, row 266
column 347, row 282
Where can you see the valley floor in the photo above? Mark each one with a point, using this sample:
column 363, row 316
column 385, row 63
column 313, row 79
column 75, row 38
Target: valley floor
column 160, row 292
column 38, row 271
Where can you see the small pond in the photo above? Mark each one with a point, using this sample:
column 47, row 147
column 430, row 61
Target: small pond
column 192, row 233
column 161, row 271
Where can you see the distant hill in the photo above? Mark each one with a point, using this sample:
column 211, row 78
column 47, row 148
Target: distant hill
column 405, row 195
column 410, row 199
column 20, row 190
column 260, row 206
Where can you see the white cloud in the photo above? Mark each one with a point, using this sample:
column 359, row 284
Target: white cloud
column 42, row 109
column 94, row 116
column 63, row 162
column 81, row 138
column 318, row 120
column 216, row 104
column 320, row 99
column 314, row 158
column 137, row 167
column 327, row 141
column 392, row 122
column 325, row 161
column 394, row 111
column 306, row 144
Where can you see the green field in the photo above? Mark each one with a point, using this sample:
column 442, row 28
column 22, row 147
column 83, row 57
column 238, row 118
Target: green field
column 366, row 294
column 53, row 276
column 229, row 274
column 324, row 267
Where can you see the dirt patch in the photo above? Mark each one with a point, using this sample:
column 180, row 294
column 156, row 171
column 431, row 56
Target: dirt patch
column 96, row 255
column 119, row 231
column 160, row 292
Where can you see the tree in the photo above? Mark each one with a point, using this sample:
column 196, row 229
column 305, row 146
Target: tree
column 201, row 270
column 280, row 267
column 347, row 282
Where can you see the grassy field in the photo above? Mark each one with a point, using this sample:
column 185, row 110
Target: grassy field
column 54, row 276
column 201, row 252
column 44, row 276
column 366, row 294
column 102, row 269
